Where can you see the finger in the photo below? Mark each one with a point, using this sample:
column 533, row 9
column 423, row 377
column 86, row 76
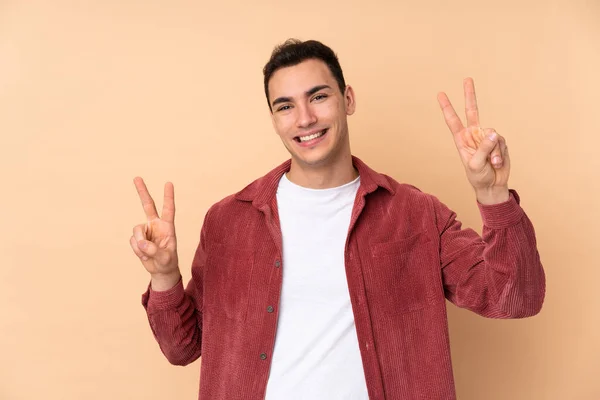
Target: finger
column 452, row 120
column 473, row 136
column 471, row 103
column 141, row 239
column 487, row 145
column 151, row 250
column 139, row 232
column 504, row 148
column 147, row 248
column 505, row 156
column 496, row 155
column 148, row 230
column 133, row 243
column 168, row 212
column 147, row 202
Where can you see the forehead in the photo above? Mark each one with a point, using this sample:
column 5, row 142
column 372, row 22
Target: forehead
column 296, row 79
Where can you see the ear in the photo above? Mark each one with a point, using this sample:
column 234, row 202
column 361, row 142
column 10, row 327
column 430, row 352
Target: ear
column 349, row 100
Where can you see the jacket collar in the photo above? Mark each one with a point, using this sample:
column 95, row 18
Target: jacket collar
column 264, row 189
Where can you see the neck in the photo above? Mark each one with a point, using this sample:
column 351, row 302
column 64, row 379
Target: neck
column 323, row 176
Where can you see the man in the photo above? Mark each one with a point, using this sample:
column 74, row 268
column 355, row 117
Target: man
column 325, row 279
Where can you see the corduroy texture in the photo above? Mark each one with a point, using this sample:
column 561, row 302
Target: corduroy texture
column 405, row 254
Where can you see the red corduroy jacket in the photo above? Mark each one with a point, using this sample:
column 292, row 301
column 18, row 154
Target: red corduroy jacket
column 405, row 254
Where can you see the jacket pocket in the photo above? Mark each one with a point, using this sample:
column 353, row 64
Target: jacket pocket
column 227, row 281
column 403, row 275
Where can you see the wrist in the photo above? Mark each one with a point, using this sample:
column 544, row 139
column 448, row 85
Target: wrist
column 493, row 195
column 163, row 282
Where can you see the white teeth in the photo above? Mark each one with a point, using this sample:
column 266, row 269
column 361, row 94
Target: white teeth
column 311, row 137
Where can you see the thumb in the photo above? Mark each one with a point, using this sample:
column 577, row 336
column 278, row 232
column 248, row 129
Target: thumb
column 151, row 250
column 487, row 145
column 147, row 247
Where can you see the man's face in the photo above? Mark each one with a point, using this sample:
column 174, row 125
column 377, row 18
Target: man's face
column 310, row 113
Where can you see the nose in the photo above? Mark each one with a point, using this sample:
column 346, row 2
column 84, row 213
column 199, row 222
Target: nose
column 306, row 116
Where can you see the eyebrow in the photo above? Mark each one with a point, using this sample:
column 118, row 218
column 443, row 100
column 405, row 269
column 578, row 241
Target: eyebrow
column 309, row 92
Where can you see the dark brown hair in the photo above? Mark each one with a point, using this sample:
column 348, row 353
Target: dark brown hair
column 294, row 51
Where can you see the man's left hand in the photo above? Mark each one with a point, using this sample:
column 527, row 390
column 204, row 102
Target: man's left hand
column 482, row 150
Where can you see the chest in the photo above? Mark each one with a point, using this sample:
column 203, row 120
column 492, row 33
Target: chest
column 392, row 260
column 313, row 244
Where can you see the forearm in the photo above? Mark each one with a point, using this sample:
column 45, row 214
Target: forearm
column 515, row 270
column 498, row 275
column 175, row 322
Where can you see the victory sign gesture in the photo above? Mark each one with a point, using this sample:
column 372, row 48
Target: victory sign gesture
column 482, row 151
column 155, row 242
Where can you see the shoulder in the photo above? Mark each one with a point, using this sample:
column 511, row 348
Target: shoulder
column 238, row 204
column 387, row 189
column 406, row 192
column 408, row 206
column 229, row 207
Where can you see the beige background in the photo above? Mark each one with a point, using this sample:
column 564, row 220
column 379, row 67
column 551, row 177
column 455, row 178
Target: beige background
column 94, row 93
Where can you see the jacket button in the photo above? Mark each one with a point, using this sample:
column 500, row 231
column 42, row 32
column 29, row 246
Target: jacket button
column 263, row 356
column 270, row 309
column 277, row 264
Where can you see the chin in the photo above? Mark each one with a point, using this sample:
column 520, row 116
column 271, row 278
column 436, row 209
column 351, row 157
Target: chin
column 315, row 160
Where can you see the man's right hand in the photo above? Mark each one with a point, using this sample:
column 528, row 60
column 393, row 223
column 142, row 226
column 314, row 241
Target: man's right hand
column 154, row 242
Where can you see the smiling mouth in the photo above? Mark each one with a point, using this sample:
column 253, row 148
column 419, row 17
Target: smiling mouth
column 308, row 138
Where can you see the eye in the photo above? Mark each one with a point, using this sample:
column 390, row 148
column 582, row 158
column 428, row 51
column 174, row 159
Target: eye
column 284, row 108
column 320, row 96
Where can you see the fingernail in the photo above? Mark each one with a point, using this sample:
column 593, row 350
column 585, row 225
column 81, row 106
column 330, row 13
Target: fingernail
column 496, row 160
column 493, row 136
column 145, row 258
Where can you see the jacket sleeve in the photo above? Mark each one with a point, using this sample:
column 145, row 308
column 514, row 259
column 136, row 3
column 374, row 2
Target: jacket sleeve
column 175, row 315
column 498, row 274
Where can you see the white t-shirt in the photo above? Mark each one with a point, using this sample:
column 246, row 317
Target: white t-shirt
column 316, row 352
